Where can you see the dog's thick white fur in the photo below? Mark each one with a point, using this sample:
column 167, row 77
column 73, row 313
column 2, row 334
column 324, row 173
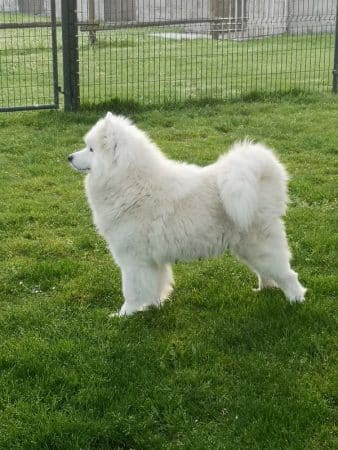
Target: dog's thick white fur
column 153, row 211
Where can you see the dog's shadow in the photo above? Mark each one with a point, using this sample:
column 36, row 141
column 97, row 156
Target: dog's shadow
column 265, row 322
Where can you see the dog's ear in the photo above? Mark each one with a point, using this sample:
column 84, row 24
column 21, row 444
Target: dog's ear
column 107, row 124
column 109, row 132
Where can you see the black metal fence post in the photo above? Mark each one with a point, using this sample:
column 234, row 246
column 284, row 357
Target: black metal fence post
column 70, row 51
column 55, row 54
column 335, row 64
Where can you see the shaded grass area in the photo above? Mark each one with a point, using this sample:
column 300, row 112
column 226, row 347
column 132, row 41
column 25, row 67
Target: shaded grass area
column 217, row 367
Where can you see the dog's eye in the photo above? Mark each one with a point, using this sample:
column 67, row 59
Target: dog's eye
column 91, row 150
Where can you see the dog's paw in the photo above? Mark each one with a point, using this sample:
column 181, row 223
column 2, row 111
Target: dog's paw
column 128, row 309
column 124, row 312
column 298, row 297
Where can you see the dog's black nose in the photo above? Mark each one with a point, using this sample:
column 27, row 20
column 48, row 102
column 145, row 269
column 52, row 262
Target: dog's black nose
column 70, row 158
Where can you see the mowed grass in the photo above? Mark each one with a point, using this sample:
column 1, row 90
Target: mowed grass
column 219, row 366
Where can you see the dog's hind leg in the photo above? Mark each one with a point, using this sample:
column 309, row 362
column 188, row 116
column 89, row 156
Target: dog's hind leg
column 141, row 285
column 167, row 282
column 267, row 254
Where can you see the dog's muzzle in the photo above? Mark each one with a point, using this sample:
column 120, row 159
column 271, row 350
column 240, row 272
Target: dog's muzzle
column 71, row 161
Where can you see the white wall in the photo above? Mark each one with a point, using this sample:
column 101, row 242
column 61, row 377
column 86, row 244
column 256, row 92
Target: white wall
column 311, row 16
column 264, row 17
column 9, row 5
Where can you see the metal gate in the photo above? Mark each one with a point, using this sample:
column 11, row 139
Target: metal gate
column 28, row 55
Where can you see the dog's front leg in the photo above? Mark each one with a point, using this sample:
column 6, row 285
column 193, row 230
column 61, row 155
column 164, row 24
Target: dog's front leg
column 141, row 285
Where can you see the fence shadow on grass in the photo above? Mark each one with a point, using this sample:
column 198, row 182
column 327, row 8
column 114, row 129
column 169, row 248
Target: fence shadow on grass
column 130, row 106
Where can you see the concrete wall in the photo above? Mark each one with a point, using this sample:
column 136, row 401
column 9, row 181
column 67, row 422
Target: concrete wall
column 272, row 17
column 9, row 6
column 266, row 17
column 253, row 18
column 145, row 10
column 150, row 10
column 33, row 7
column 311, row 16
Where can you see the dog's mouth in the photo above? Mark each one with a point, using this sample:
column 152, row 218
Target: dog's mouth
column 79, row 169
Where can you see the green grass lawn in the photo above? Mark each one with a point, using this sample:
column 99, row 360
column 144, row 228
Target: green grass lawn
column 219, row 366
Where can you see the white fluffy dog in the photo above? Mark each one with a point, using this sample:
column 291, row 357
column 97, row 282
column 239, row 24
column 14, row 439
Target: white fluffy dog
column 153, row 211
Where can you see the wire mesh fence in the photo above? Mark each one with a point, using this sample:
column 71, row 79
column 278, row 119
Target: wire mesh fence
column 156, row 51
column 28, row 70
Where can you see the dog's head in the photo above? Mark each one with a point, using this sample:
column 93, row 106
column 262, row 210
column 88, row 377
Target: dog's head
column 103, row 144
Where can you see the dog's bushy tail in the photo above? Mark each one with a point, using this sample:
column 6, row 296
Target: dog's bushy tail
column 252, row 184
